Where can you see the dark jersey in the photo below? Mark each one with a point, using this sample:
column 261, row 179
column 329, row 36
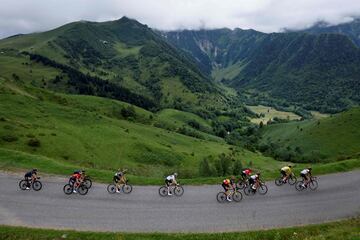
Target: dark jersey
column 29, row 174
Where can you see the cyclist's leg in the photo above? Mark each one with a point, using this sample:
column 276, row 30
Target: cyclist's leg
column 283, row 174
column 27, row 179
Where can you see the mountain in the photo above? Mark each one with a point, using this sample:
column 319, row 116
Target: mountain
column 314, row 71
column 350, row 29
column 120, row 59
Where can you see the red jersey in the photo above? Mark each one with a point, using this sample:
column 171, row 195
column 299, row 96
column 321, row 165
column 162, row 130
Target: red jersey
column 247, row 172
column 76, row 175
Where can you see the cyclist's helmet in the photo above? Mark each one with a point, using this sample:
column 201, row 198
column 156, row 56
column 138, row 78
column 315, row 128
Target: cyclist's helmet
column 290, row 166
column 226, row 181
column 175, row 174
column 310, row 168
column 34, row 170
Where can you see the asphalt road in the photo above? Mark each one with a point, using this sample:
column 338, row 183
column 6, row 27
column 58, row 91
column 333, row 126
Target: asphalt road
column 337, row 197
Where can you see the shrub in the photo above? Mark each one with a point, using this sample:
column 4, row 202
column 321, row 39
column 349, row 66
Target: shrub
column 34, row 142
column 128, row 112
column 237, row 167
column 204, row 168
column 194, row 124
column 9, row 138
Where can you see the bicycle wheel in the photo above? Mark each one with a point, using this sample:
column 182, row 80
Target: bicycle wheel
column 37, row 185
column 299, row 186
column 82, row 189
column 87, row 182
column 111, row 188
column 313, row 185
column 292, row 180
column 127, row 188
column 241, row 185
column 237, row 196
column 279, row 181
column 221, row 197
column 263, row 189
column 178, row 191
column 163, row 191
column 249, row 191
column 23, row 184
column 68, row 189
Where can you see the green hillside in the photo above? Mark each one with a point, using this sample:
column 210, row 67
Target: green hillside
column 93, row 132
column 124, row 56
column 328, row 139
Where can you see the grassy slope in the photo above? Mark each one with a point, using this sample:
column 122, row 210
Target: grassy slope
column 175, row 119
column 83, row 131
column 342, row 230
column 335, row 137
column 120, row 59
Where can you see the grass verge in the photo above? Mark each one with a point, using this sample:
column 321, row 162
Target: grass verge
column 19, row 161
column 341, row 230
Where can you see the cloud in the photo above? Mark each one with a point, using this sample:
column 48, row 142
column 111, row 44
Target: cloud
column 263, row 15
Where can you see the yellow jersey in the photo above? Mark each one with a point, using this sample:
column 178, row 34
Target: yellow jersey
column 287, row 170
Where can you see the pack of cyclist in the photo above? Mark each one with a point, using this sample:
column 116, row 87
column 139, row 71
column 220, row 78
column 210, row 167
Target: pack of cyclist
column 248, row 181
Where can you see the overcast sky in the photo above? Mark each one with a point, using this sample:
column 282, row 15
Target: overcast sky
column 25, row 16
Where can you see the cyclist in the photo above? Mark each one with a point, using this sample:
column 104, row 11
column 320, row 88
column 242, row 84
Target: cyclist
column 254, row 181
column 286, row 172
column 169, row 181
column 120, row 179
column 245, row 173
column 306, row 176
column 76, row 179
column 227, row 184
column 30, row 177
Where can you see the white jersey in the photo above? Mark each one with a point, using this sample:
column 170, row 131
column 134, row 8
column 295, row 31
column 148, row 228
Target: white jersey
column 171, row 178
column 254, row 177
column 305, row 171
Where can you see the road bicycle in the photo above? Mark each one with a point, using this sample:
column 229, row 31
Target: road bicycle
column 262, row 189
column 82, row 189
column 177, row 190
column 234, row 195
column 291, row 180
column 87, row 181
column 33, row 183
column 312, row 185
column 126, row 188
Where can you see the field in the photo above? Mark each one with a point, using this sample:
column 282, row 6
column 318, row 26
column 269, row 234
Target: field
column 269, row 113
column 342, row 230
column 333, row 138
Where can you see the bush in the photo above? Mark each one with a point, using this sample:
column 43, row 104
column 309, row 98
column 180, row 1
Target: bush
column 9, row 138
column 223, row 164
column 128, row 112
column 237, row 167
column 34, row 142
column 204, row 168
column 194, row 124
